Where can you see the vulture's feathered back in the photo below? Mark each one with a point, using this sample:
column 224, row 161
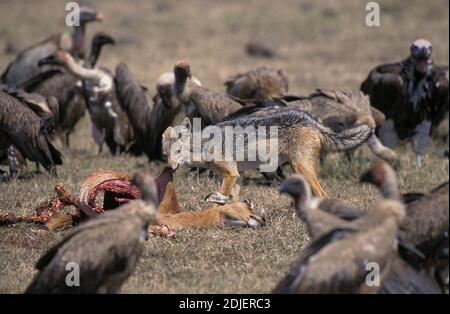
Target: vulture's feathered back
column 25, row 66
column 23, row 128
column 133, row 100
column 259, row 83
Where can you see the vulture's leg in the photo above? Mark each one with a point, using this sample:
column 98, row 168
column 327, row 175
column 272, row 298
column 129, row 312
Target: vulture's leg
column 63, row 138
column 13, row 162
column 38, row 168
column 67, row 141
column 52, row 171
column 99, row 137
column 388, row 134
column 441, row 277
column 446, row 148
column 100, row 149
column 420, row 140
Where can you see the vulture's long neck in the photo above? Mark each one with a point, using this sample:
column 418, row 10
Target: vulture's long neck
column 96, row 49
column 81, row 72
column 78, row 36
column 180, row 85
column 389, row 188
column 302, row 203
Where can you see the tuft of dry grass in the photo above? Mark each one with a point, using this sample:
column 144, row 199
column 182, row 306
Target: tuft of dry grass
column 319, row 43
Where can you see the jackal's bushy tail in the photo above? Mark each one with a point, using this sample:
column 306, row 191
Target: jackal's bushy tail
column 347, row 139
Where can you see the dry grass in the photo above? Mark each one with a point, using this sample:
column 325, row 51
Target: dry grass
column 320, row 44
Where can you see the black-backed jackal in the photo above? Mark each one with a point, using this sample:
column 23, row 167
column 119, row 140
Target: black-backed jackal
column 300, row 139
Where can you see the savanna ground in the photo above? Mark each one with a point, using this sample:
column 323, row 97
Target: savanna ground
column 319, row 44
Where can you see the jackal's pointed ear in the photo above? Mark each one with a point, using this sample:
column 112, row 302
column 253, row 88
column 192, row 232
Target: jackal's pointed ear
column 186, row 124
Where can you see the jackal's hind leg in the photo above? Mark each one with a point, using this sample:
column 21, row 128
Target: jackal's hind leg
column 303, row 156
column 310, row 174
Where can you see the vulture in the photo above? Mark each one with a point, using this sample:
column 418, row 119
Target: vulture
column 212, row 107
column 209, row 106
column 260, row 49
column 405, row 278
column 427, row 217
column 25, row 65
column 441, row 133
column 25, row 121
column 320, row 215
column 65, row 87
column 259, row 83
column 148, row 118
column 324, row 215
column 413, row 95
column 110, row 123
column 337, row 261
column 104, row 257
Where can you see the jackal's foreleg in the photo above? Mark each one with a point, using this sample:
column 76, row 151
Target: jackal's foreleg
column 230, row 176
column 228, row 186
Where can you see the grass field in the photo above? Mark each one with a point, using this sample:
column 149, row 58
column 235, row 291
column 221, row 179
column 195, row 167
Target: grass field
column 319, row 44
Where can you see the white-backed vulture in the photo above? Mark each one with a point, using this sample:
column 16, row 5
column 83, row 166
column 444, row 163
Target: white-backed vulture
column 324, row 215
column 212, row 107
column 259, row 83
column 106, row 249
column 58, row 82
column 149, row 119
column 26, row 66
column 22, row 127
column 337, row 261
column 427, row 217
column 259, row 49
column 109, row 122
column 320, row 215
